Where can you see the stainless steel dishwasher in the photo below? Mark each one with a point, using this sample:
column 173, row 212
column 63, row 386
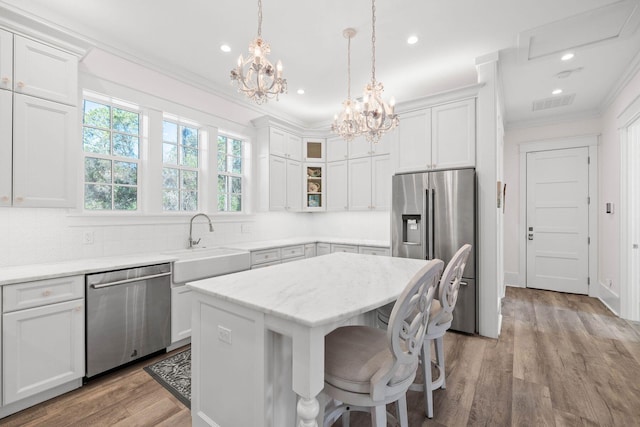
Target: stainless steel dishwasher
column 128, row 315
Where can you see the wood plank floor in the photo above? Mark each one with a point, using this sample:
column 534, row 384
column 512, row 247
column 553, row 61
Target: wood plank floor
column 561, row 360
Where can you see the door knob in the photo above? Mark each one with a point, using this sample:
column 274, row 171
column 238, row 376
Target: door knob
column 530, row 236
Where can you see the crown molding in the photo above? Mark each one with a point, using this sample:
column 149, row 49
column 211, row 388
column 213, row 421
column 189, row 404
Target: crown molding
column 631, row 71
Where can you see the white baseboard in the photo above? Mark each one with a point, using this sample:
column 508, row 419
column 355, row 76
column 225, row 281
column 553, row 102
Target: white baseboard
column 512, row 278
column 610, row 299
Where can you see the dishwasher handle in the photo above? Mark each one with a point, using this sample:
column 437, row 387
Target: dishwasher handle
column 135, row 279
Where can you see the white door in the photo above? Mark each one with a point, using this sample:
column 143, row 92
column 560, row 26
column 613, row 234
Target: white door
column 558, row 220
column 634, row 214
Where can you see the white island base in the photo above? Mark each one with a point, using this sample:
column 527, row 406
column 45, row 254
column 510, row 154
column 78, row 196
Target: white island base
column 258, row 335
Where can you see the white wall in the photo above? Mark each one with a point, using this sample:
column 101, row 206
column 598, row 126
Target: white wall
column 512, row 139
column 31, row 236
column 609, row 179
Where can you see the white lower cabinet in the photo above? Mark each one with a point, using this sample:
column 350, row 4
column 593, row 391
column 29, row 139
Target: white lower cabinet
column 323, row 249
column 180, row 313
column 309, row 250
column 42, row 348
column 344, row 248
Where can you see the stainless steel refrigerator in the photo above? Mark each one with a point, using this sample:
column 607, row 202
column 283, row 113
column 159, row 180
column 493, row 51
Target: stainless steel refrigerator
column 433, row 214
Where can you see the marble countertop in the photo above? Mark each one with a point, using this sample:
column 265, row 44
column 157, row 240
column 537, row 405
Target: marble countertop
column 30, row 272
column 316, row 291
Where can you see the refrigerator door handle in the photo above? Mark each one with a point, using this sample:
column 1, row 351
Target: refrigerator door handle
column 433, row 223
column 428, row 211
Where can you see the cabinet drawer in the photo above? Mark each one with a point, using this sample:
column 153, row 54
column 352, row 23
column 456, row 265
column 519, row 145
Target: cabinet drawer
column 265, row 264
column 267, row 255
column 41, row 292
column 373, row 250
column 293, row 259
column 344, row 248
column 292, row 251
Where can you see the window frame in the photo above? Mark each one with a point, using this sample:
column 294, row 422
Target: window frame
column 200, row 169
column 242, row 175
column 130, row 107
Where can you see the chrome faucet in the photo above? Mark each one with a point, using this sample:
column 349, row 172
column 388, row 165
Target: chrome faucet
column 193, row 243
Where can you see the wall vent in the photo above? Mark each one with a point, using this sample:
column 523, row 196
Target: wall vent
column 553, row 102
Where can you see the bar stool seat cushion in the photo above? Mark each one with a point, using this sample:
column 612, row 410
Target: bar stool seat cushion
column 353, row 355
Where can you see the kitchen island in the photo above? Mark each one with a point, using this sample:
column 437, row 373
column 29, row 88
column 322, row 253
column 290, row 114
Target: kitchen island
column 258, row 335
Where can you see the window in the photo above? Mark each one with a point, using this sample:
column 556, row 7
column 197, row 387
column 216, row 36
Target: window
column 180, row 153
column 111, row 143
column 229, row 174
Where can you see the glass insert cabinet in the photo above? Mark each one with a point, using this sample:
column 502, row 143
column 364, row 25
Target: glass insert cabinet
column 314, row 187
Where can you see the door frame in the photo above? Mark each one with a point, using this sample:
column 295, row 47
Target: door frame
column 591, row 142
column 629, row 296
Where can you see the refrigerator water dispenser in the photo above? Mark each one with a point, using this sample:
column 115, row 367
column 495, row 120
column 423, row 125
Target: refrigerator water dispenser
column 411, row 229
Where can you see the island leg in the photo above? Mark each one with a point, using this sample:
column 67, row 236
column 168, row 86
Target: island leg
column 308, row 410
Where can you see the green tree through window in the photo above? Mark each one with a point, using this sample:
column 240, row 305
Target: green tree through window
column 229, row 174
column 111, row 143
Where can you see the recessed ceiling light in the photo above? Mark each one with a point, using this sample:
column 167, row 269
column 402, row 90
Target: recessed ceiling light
column 300, row 91
column 567, row 56
column 412, row 39
column 225, row 48
column 556, row 92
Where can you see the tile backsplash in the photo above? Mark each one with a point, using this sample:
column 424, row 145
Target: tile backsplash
column 33, row 236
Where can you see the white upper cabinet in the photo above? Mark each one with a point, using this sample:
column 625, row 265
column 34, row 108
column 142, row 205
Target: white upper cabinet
column 285, row 144
column 370, row 183
column 441, row 137
column 6, row 121
column 337, row 149
column 45, row 72
column 454, row 135
column 285, row 184
column 414, row 141
column 314, row 150
column 360, row 147
column 6, row 60
column 336, row 194
column 44, row 153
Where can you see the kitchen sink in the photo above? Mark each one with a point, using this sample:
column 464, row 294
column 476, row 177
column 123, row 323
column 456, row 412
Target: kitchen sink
column 196, row 264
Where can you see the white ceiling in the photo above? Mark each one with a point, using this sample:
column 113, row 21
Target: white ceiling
column 183, row 38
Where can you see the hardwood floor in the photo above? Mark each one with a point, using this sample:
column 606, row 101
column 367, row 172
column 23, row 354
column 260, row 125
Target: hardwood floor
column 561, row 360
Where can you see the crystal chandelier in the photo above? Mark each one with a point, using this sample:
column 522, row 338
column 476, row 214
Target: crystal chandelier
column 378, row 116
column 260, row 81
column 348, row 123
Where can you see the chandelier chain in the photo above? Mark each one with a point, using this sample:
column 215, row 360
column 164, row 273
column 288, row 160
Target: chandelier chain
column 259, row 18
column 349, row 68
column 373, row 41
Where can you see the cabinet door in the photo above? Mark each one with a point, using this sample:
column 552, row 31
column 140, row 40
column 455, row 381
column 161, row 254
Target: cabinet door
column 454, row 135
column 381, row 183
column 337, row 149
column 45, row 72
column 336, row 194
column 294, row 147
column 6, row 60
column 277, row 142
column 6, row 122
column 384, row 145
column 294, row 186
column 360, row 184
column 359, row 147
column 414, row 141
column 277, row 183
column 45, row 153
column 323, row 249
column 309, row 250
column 180, row 313
column 43, row 348
column 314, row 150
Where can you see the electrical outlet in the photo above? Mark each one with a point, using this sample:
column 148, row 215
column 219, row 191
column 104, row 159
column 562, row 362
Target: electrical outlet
column 87, row 238
column 224, row 334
